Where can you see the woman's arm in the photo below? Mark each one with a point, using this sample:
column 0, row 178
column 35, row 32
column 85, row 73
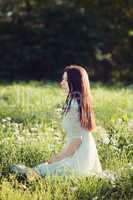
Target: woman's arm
column 56, row 157
column 69, row 151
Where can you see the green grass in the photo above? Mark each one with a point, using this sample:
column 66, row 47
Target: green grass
column 31, row 132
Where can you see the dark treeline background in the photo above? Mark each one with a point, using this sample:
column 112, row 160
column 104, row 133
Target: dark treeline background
column 39, row 37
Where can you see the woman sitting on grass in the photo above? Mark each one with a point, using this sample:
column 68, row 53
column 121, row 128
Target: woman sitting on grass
column 79, row 156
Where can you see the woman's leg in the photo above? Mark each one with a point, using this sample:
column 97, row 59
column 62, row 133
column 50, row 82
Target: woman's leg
column 24, row 171
column 58, row 168
column 42, row 169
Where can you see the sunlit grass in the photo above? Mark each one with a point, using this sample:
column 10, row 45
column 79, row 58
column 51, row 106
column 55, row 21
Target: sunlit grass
column 31, row 131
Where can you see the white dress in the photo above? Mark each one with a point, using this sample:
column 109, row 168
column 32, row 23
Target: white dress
column 85, row 160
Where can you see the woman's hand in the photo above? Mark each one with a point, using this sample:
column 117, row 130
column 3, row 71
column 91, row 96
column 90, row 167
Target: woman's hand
column 69, row 151
column 49, row 161
column 53, row 159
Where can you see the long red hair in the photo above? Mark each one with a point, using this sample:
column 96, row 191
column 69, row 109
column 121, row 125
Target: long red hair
column 79, row 88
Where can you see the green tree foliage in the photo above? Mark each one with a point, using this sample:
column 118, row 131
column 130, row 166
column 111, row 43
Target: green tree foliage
column 38, row 38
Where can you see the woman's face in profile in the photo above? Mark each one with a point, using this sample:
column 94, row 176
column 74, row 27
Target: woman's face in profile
column 64, row 82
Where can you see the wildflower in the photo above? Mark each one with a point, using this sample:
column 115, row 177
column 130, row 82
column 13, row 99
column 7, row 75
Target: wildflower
column 105, row 139
column 73, row 189
column 58, row 113
column 8, row 118
column 16, row 125
column 130, row 165
column 4, row 120
column 38, row 125
column 16, row 132
column 95, row 198
column 59, row 110
column 34, row 129
column 5, row 141
column 119, row 121
column 20, row 140
column 51, row 146
column 130, row 125
column 34, row 139
column 57, row 134
column 3, row 125
column 115, row 148
column 109, row 175
column 114, row 141
column 103, row 135
column 101, row 130
column 9, row 14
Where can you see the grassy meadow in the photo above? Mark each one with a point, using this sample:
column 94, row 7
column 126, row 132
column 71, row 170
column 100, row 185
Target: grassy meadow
column 31, row 132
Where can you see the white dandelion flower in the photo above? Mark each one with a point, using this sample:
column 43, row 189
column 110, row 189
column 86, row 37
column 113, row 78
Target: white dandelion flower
column 103, row 135
column 130, row 125
column 8, row 118
column 33, row 129
column 4, row 120
column 51, row 146
column 73, row 189
column 119, row 121
column 95, row 198
column 114, row 141
column 107, row 174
